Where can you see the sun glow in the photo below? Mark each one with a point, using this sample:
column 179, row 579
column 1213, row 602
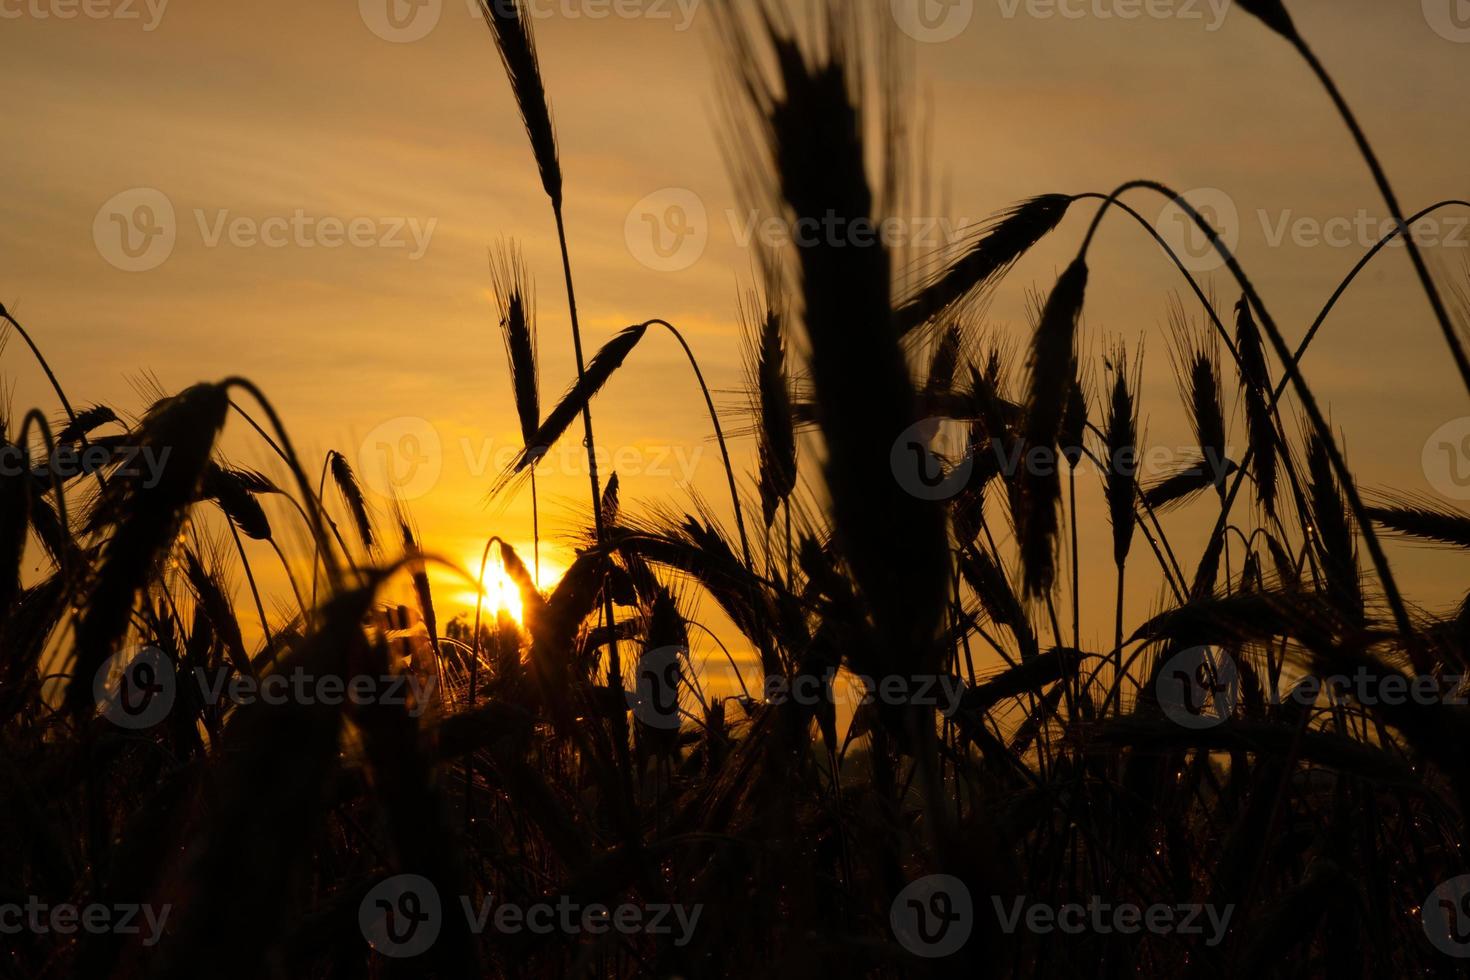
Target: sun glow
column 499, row 592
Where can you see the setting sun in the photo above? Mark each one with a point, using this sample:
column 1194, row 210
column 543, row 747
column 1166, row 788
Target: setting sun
column 499, row 592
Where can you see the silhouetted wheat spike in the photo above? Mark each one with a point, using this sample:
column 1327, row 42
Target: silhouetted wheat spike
column 1207, row 416
column 420, row 575
column 610, row 502
column 1175, row 489
column 215, row 601
column 604, row 364
column 777, row 447
column 15, row 519
column 352, row 496
column 1052, row 370
column 1336, row 544
column 1256, row 383
column 518, row 327
column 234, row 491
column 144, row 516
column 993, row 589
column 814, row 136
column 86, row 421
column 510, row 23
column 1008, row 238
column 1070, row 440
column 945, row 360
column 1121, row 488
column 1422, row 518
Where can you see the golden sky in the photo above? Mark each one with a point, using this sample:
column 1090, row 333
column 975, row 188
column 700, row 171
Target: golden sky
column 275, row 129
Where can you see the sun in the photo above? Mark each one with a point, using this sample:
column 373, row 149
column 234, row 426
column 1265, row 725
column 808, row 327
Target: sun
column 499, row 592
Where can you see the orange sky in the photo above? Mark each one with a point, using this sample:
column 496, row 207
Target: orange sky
column 267, row 110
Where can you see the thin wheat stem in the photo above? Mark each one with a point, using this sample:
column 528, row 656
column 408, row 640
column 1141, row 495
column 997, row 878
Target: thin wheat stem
column 1118, row 627
column 293, row 462
column 1209, row 308
column 714, row 418
column 535, row 532
column 1352, row 276
column 1076, row 574
column 250, row 580
column 1421, row 268
column 614, row 660
column 1304, row 396
column 46, row 367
